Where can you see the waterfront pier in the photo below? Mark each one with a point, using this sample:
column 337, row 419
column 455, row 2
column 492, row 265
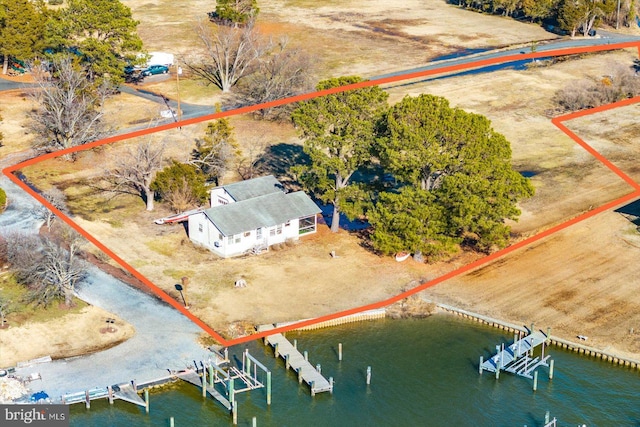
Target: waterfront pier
column 297, row 362
column 518, row 358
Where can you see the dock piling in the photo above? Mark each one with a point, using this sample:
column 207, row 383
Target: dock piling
column 231, row 393
column 171, row 422
column 535, row 380
column 550, row 369
column 211, row 376
column 368, row 375
column 306, row 355
column 295, row 343
column 254, row 422
column 268, row 388
column 339, row 352
column 146, row 400
column 110, row 394
column 204, row 382
column 331, row 384
column 87, row 401
column 234, row 413
column 319, row 368
column 480, row 367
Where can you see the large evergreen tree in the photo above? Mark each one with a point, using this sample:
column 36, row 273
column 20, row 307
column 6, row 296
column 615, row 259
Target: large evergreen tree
column 236, row 11
column 21, row 27
column 215, row 153
column 455, row 162
column 102, row 32
column 339, row 131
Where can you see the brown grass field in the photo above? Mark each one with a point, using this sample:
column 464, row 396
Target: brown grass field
column 579, row 281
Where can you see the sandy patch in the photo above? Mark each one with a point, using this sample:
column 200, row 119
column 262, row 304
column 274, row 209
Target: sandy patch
column 71, row 335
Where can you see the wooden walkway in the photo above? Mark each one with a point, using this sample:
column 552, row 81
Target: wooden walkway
column 294, row 359
column 194, row 378
column 125, row 392
column 516, row 358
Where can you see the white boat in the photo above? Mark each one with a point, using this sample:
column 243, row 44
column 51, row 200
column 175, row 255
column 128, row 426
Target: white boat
column 179, row 217
column 401, row 256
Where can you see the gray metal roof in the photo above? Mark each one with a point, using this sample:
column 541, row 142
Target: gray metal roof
column 263, row 211
column 243, row 190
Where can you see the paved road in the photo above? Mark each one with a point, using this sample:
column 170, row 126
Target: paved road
column 604, row 38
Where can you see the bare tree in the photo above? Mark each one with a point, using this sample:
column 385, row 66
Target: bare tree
column 51, row 267
column 281, row 73
column 134, row 172
column 249, row 164
column 58, row 199
column 69, row 111
column 229, row 53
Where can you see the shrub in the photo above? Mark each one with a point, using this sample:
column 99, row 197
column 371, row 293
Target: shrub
column 3, row 199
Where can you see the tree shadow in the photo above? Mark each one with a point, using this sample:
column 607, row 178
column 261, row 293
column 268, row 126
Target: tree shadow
column 277, row 159
column 631, row 211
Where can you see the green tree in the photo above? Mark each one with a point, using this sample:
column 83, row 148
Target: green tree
column 538, row 10
column 21, row 26
column 410, row 220
column 583, row 15
column 104, row 33
column 181, row 185
column 236, row 11
column 339, row 131
column 3, row 199
column 458, row 158
column 215, row 153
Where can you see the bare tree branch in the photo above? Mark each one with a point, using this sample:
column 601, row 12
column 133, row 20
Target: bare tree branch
column 135, row 171
column 281, row 73
column 58, row 199
column 230, row 53
column 69, row 109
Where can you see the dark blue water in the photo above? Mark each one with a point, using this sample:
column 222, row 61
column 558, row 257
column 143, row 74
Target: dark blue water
column 424, row 372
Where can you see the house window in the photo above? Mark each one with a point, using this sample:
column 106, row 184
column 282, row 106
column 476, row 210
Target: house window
column 247, row 233
column 200, row 228
column 220, row 236
column 279, row 229
column 307, row 225
column 288, row 223
column 236, row 238
column 222, row 201
column 272, row 232
column 259, row 233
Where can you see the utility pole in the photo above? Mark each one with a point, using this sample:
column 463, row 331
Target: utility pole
column 178, row 72
column 618, row 16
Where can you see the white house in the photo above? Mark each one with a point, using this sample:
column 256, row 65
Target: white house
column 252, row 215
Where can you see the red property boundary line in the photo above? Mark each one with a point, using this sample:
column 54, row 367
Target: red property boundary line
column 558, row 121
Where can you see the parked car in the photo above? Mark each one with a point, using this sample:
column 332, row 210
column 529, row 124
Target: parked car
column 155, row 69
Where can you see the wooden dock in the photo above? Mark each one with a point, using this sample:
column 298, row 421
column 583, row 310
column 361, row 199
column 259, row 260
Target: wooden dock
column 517, row 357
column 296, row 361
column 128, row 394
column 191, row 376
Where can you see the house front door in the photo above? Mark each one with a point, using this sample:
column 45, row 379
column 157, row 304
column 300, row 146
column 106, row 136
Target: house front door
column 259, row 235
